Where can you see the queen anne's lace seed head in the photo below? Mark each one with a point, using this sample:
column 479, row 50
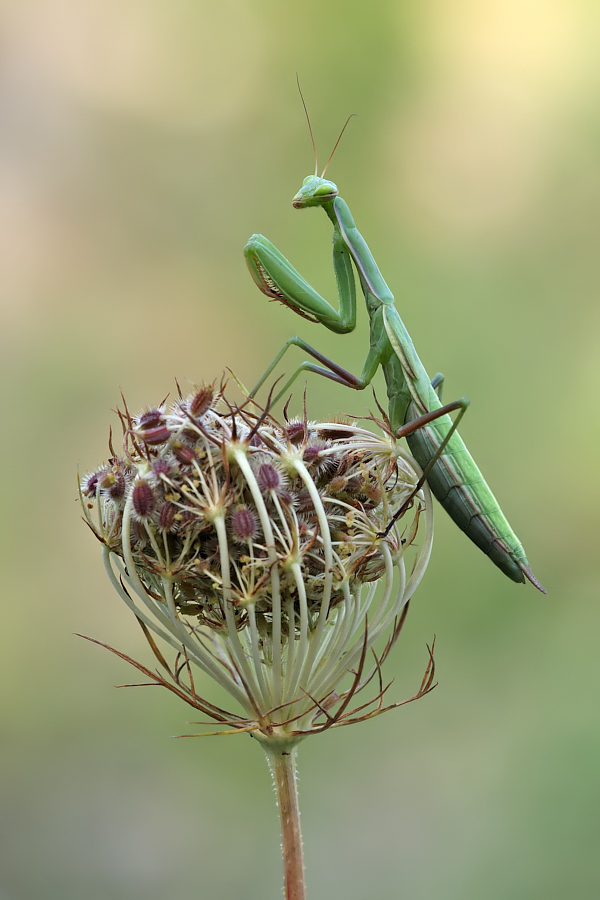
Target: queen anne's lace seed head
column 255, row 549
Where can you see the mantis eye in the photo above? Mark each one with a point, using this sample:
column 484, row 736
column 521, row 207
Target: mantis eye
column 326, row 189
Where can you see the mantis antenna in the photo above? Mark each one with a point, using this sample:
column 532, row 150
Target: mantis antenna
column 312, row 137
column 337, row 142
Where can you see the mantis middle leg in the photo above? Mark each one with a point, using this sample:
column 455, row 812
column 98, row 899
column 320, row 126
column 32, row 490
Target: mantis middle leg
column 328, row 369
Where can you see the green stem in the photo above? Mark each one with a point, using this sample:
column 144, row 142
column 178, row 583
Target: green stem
column 282, row 761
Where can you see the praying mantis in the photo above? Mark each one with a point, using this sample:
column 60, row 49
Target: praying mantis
column 415, row 409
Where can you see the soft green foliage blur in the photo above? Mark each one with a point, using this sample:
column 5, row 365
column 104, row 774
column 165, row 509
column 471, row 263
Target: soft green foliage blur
column 141, row 143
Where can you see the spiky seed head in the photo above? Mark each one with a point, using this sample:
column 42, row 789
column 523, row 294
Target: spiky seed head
column 268, row 478
column 311, row 453
column 243, row 524
column 158, row 434
column 337, row 484
column 182, row 488
column 183, row 453
column 113, row 482
column 166, row 516
column 162, row 466
column 201, row 401
column 143, row 499
column 150, row 418
column 89, row 484
column 225, row 525
column 138, row 535
column 150, row 426
column 295, row 432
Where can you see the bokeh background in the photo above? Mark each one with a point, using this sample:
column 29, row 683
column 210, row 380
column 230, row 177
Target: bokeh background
column 141, row 143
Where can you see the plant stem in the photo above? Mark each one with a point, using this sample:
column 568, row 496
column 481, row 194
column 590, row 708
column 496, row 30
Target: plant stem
column 282, row 761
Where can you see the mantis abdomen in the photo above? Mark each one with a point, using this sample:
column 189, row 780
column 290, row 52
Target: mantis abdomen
column 457, row 483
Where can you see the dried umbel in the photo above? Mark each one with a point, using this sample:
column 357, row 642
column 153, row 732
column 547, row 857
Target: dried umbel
column 262, row 553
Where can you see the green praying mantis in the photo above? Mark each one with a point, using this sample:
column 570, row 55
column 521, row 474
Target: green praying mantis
column 415, row 409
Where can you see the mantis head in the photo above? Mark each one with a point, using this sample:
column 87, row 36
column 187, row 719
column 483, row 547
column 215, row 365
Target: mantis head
column 315, row 191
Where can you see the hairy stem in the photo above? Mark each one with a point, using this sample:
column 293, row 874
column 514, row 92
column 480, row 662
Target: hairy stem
column 282, row 761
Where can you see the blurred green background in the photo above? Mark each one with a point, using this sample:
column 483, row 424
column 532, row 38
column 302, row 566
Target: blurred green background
column 141, row 143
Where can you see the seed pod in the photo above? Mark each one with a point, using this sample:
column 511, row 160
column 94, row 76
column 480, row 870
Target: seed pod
column 143, row 499
column 295, row 432
column 161, row 466
column 355, row 484
column 202, row 401
column 158, row 434
column 150, row 418
column 268, row 478
column 337, row 485
column 183, row 453
column 112, row 482
column 243, row 524
column 311, row 454
column 166, row 517
column 90, row 484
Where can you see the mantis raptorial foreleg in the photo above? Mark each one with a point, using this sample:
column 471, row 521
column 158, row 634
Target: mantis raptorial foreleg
column 279, row 280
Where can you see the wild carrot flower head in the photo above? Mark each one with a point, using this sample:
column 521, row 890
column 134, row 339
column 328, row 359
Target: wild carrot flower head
column 267, row 555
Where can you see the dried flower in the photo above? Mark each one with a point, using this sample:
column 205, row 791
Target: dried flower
column 268, row 555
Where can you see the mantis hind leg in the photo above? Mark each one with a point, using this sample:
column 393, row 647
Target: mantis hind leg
column 412, row 426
